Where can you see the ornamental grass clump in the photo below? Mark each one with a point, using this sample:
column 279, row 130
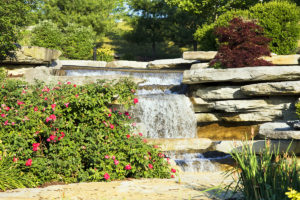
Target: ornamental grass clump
column 242, row 44
column 267, row 175
column 71, row 133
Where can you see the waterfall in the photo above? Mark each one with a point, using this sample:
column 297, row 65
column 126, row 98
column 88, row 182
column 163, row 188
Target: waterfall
column 166, row 116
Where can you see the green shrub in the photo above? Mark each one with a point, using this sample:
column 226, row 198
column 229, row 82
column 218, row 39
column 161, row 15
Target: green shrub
column 293, row 194
column 105, row 54
column 280, row 20
column 78, row 42
column 72, row 133
column 47, row 34
column 266, row 175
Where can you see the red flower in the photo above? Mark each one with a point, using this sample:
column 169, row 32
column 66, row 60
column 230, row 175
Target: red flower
column 76, row 95
column 20, row 102
column 140, row 134
column 35, row 109
column 74, row 85
column 6, row 123
column 7, row 108
column 28, row 162
column 67, row 104
column 3, row 115
column 128, row 167
column 112, row 126
column 173, row 170
column 53, row 106
column 106, row 156
column 126, row 113
column 35, row 146
column 69, row 83
column 116, row 162
column 106, row 176
column 128, row 136
column 15, row 159
column 172, row 176
column 150, row 166
column 13, row 123
column 53, row 117
column 109, row 115
column 135, row 100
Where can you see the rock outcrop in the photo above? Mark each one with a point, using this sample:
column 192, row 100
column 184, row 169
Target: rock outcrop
column 83, row 63
column 277, row 130
column 127, row 64
column 199, row 55
column 283, row 59
column 32, row 55
column 177, row 63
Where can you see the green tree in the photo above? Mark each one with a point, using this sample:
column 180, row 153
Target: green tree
column 13, row 15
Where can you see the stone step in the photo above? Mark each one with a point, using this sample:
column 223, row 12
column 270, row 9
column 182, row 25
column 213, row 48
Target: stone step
column 177, row 63
column 278, row 130
column 246, row 74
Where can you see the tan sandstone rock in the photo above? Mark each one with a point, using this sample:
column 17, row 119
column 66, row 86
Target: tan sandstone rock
column 199, row 55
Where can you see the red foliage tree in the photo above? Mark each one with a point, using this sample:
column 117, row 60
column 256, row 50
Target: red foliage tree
column 242, row 45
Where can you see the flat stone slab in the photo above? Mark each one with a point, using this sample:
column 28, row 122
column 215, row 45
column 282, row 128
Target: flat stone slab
column 127, row 64
column 246, row 74
column 272, row 88
column 258, row 146
column 200, row 105
column 217, row 92
column 182, row 144
column 277, row 130
column 200, row 66
column 199, row 55
column 83, row 63
column 284, row 59
column 177, row 63
column 251, row 105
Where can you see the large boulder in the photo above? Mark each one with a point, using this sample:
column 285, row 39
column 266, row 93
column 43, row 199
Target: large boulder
column 283, row 59
column 272, row 88
column 177, row 63
column 278, row 130
column 33, row 55
column 251, row 105
column 216, row 92
column 127, row 64
column 199, row 55
column 182, row 144
column 246, row 74
column 83, row 63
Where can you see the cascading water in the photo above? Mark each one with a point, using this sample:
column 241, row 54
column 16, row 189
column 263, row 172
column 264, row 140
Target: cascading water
column 163, row 111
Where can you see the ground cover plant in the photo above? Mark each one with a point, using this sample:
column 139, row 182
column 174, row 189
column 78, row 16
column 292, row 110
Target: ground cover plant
column 242, row 44
column 266, row 175
column 71, row 133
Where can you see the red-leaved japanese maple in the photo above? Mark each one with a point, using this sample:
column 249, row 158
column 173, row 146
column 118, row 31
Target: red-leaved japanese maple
column 242, row 45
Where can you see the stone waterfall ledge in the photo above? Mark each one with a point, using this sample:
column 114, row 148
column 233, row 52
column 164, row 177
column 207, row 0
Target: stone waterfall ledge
column 201, row 106
column 182, row 144
column 258, row 146
column 262, row 116
column 216, row 92
column 199, row 55
column 246, row 74
column 272, row 88
column 219, row 131
column 127, row 64
column 283, row 59
column 33, row 55
column 277, row 130
column 83, row 63
column 255, row 105
column 200, row 66
column 177, row 63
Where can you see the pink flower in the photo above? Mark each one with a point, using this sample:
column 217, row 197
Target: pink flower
column 28, row 162
column 35, row 146
column 150, row 166
column 140, row 134
column 48, row 140
column 135, row 100
column 13, row 123
column 129, row 117
column 35, row 109
column 145, row 140
column 59, row 83
column 20, row 102
column 112, row 126
column 172, row 176
column 7, row 108
column 128, row 136
column 106, row 156
column 74, row 85
column 52, row 137
column 126, row 113
column 15, row 159
column 53, row 117
column 48, row 119
column 133, row 124
column 6, row 123
column 3, row 115
column 113, row 157
column 53, row 106
column 106, row 176
column 46, row 98
column 128, row 167
column 76, row 95
column 116, row 162
column 69, row 83
column 173, row 170
column 109, row 115
column 133, row 90
column 67, row 104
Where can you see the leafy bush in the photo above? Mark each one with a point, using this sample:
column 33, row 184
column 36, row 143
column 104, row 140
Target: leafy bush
column 105, row 54
column 267, row 175
column 205, row 34
column 242, row 45
column 293, row 194
column 78, row 42
column 72, row 133
column 280, row 20
column 47, row 34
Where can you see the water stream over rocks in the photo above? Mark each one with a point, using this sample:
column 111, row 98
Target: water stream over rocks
column 163, row 111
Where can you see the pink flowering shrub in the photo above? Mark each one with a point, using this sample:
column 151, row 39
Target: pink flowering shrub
column 71, row 133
